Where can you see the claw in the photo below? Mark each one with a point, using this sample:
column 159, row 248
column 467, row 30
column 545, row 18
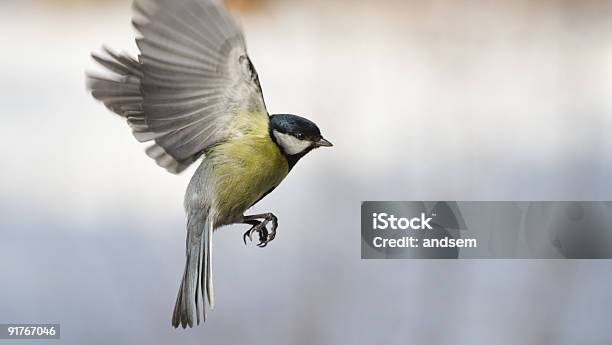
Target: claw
column 249, row 233
column 244, row 237
column 261, row 230
column 265, row 236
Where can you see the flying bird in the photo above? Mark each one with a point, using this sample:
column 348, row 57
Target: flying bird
column 194, row 93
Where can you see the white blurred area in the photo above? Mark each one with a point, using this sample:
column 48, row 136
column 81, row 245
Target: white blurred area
column 436, row 100
column 445, row 100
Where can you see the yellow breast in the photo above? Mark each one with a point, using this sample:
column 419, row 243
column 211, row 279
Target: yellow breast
column 246, row 166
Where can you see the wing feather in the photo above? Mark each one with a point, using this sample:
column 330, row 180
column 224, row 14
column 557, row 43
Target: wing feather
column 193, row 75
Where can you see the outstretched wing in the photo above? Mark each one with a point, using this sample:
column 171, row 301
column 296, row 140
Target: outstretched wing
column 192, row 76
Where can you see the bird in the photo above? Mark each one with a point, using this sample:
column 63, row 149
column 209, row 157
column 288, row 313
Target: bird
column 194, row 94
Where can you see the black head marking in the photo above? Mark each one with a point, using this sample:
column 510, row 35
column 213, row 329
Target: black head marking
column 298, row 127
column 295, row 125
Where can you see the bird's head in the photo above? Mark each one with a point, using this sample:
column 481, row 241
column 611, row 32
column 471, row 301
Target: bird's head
column 295, row 135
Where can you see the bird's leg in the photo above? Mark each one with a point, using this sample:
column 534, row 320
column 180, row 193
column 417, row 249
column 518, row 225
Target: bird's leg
column 260, row 227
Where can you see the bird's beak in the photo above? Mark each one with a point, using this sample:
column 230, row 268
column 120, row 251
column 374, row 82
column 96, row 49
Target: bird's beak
column 324, row 142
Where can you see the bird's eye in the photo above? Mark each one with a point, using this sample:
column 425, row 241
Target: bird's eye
column 300, row 136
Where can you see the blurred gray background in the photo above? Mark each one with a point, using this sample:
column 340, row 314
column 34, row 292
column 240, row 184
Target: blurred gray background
column 424, row 100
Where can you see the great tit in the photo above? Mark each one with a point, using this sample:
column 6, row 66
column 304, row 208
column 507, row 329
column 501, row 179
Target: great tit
column 194, row 92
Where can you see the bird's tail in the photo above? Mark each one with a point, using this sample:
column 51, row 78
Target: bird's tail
column 197, row 283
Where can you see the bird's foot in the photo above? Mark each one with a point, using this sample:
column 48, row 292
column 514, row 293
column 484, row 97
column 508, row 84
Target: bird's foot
column 261, row 229
column 265, row 236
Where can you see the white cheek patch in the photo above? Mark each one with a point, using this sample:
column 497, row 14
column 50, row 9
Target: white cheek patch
column 290, row 144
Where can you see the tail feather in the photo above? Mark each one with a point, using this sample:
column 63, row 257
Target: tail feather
column 196, row 285
column 209, row 275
